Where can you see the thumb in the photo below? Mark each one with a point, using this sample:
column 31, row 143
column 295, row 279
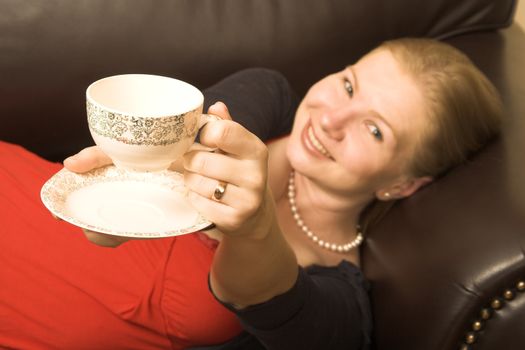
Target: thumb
column 220, row 110
column 88, row 159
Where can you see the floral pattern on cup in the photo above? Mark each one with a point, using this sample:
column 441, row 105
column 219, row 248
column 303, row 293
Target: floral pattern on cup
column 134, row 130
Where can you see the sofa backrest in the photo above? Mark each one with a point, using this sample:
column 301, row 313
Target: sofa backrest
column 51, row 50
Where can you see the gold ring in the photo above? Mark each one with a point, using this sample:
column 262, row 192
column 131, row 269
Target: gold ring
column 219, row 191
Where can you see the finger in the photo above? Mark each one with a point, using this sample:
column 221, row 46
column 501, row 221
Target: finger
column 220, row 110
column 104, row 240
column 232, row 138
column 215, row 165
column 88, row 159
column 222, row 215
column 213, row 232
column 250, row 174
column 233, row 196
column 177, row 165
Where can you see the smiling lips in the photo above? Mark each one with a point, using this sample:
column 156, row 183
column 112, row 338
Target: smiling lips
column 315, row 143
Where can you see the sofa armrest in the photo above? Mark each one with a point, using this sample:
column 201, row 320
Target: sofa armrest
column 440, row 257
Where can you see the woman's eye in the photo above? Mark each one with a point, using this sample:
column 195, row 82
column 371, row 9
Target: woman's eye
column 348, row 87
column 376, row 133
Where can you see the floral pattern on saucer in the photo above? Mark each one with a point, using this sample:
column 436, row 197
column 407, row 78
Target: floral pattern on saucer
column 63, row 185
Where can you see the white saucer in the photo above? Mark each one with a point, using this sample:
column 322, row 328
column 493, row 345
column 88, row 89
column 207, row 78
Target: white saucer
column 123, row 203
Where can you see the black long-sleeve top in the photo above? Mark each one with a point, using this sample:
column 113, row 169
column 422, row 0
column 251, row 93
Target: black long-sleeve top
column 328, row 307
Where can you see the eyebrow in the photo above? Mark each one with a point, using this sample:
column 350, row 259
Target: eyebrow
column 376, row 113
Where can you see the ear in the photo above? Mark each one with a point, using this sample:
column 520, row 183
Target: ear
column 403, row 189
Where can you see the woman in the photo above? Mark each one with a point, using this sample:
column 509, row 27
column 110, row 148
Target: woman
column 288, row 213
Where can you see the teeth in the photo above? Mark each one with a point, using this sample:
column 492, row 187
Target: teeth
column 316, row 143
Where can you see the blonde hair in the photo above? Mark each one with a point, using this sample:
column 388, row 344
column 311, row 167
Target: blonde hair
column 464, row 109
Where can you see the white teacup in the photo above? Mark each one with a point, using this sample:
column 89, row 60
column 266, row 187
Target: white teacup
column 144, row 122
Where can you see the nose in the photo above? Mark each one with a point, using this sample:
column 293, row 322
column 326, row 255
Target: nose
column 335, row 121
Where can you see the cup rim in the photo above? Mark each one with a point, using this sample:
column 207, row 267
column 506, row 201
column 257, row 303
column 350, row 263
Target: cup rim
column 121, row 112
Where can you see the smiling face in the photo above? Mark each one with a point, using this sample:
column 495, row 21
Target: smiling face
column 355, row 131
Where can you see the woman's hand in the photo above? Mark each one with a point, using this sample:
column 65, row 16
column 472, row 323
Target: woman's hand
column 253, row 262
column 91, row 158
column 88, row 159
column 241, row 166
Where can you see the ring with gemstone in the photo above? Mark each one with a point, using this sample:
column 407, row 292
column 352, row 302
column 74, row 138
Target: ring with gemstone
column 219, row 191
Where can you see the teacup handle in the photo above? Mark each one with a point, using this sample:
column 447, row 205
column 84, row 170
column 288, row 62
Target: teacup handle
column 206, row 118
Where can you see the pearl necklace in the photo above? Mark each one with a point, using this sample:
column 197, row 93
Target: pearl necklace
column 340, row 248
